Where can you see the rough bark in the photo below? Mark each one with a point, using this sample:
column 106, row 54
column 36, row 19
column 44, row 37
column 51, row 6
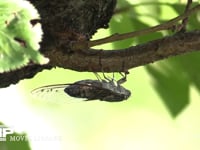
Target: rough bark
column 124, row 59
column 63, row 22
column 68, row 22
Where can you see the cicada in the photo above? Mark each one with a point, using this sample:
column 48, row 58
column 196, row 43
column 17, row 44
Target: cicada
column 103, row 90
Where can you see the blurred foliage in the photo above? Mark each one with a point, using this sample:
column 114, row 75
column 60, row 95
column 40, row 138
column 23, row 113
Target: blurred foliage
column 19, row 38
column 171, row 77
column 20, row 143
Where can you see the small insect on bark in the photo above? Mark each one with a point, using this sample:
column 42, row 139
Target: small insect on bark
column 91, row 90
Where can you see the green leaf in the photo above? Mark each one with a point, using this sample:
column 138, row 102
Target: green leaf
column 14, row 141
column 19, row 39
column 171, row 83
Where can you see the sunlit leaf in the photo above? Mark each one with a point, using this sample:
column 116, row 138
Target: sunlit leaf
column 19, row 38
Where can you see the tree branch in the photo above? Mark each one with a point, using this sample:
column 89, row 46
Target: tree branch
column 113, row 60
column 124, row 59
column 185, row 20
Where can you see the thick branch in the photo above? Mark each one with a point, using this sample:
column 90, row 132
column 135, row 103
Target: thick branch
column 113, row 60
column 124, row 59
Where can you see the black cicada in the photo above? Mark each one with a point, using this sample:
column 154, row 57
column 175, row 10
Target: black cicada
column 91, row 90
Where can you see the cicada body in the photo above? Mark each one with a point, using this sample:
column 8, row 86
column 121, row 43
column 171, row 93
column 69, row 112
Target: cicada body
column 91, row 90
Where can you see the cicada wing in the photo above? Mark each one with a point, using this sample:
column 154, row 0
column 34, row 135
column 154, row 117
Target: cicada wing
column 54, row 94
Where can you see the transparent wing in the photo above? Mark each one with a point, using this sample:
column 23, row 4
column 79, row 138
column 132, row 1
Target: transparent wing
column 54, row 94
column 49, row 88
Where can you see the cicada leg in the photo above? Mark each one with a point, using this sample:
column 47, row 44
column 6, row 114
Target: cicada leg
column 97, row 76
column 124, row 77
column 109, row 79
column 105, row 78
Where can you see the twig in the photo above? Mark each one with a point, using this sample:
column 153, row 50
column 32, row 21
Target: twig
column 164, row 26
column 185, row 20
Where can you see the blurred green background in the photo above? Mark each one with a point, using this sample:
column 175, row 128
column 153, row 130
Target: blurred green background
column 162, row 112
